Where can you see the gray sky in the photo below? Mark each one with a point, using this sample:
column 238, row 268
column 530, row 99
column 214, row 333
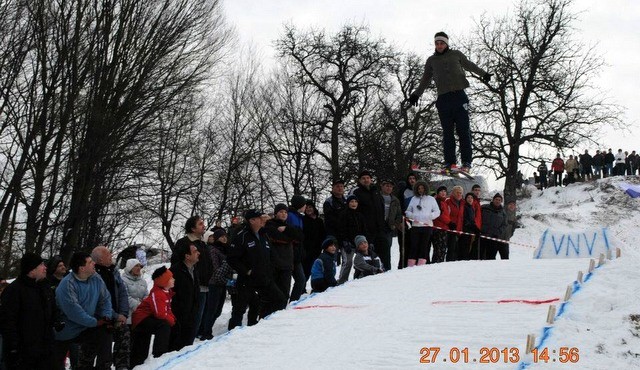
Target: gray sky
column 410, row 25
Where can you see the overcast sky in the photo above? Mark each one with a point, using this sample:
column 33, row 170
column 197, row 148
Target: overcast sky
column 410, row 25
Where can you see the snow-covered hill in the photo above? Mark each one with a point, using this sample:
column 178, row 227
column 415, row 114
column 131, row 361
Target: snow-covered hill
column 479, row 313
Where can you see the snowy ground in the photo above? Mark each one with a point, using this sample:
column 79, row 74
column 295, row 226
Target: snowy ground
column 468, row 308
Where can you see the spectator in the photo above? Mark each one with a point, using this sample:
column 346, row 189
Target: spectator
column 136, row 285
column 404, row 237
column 512, row 221
column 620, row 162
column 365, row 262
column 351, row 223
column 543, row 171
column 217, row 249
column 85, row 303
column 314, row 234
column 56, row 271
column 422, row 210
column 477, row 248
column 333, row 207
column 249, row 256
column 281, row 239
column 635, row 163
column 469, row 226
column 194, row 229
column 185, row 302
column 557, row 166
column 226, row 276
column 456, row 209
column 27, row 317
column 494, row 224
column 598, row 163
column 119, row 304
column 295, row 219
column 609, row 158
column 587, row 162
column 323, row 272
column 441, row 223
column 154, row 317
column 571, row 166
column 371, row 206
column 392, row 216
column 627, row 162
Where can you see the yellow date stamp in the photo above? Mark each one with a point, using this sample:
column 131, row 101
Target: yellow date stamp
column 494, row 355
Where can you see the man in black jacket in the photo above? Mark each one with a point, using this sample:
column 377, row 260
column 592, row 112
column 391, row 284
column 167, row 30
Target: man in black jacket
column 27, row 316
column 494, row 224
column 371, row 206
column 185, row 304
column 194, row 229
column 249, row 255
column 333, row 207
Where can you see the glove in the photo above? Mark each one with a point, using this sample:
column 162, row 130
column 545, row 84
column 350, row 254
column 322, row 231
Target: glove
column 486, row 78
column 103, row 321
column 413, row 100
column 452, row 226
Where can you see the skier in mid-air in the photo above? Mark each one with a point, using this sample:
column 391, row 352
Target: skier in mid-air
column 446, row 67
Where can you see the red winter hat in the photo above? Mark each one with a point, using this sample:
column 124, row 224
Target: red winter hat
column 162, row 276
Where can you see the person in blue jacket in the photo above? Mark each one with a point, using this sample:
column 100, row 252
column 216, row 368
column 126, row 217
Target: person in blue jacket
column 323, row 271
column 85, row 305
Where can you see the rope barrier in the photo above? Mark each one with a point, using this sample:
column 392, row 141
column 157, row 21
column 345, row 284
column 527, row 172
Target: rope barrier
column 472, row 234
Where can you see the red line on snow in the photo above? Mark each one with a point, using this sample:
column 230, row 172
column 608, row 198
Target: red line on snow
column 323, row 306
column 524, row 301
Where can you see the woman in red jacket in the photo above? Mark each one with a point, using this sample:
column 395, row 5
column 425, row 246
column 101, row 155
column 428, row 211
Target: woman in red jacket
column 456, row 211
column 441, row 227
column 153, row 317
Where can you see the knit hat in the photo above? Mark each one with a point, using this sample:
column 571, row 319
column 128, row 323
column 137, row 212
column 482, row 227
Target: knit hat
column 219, row 233
column 131, row 263
column 280, row 206
column 351, row 197
column 364, row 173
column 29, row 262
column 161, row 276
column 497, row 196
column 359, row 240
column 337, row 181
column 53, row 263
column 298, row 201
column 441, row 36
column 329, row 242
column 441, row 188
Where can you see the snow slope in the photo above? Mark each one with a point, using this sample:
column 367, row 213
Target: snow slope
column 386, row 320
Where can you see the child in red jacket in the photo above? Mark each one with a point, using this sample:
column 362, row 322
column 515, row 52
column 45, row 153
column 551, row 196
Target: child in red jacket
column 153, row 317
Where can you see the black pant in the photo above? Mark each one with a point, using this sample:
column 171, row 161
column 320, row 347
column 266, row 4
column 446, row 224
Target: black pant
column 271, row 299
column 142, row 338
column 452, row 247
column 282, row 278
column 383, row 250
column 454, row 116
column 246, row 297
column 464, row 247
column 94, row 343
column 557, row 178
column 420, row 243
column 183, row 334
column 495, row 247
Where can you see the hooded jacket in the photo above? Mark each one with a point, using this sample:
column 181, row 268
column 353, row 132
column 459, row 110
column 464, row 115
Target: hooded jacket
column 422, row 210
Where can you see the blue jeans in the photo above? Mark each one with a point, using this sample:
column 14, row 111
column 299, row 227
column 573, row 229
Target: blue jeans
column 202, row 301
column 454, row 115
column 215, row 302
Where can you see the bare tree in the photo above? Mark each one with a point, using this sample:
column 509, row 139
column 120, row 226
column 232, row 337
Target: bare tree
column 542, row 95
column 341, row 68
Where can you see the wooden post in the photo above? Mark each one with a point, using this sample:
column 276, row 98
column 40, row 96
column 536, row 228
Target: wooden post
column 551, row 314
column 609, row 254
column 618, row 252
column 580, row 277
column 531, row 342
column 592, row 265
column 601, row 260
column 567, row 294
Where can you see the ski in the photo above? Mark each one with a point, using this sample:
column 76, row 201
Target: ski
column 455, row 172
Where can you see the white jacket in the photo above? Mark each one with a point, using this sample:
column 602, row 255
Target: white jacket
column 423, row 210
column 619, row 158
column 137, row 289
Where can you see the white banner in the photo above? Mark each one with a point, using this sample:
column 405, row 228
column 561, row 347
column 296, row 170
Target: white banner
column 574, row 244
